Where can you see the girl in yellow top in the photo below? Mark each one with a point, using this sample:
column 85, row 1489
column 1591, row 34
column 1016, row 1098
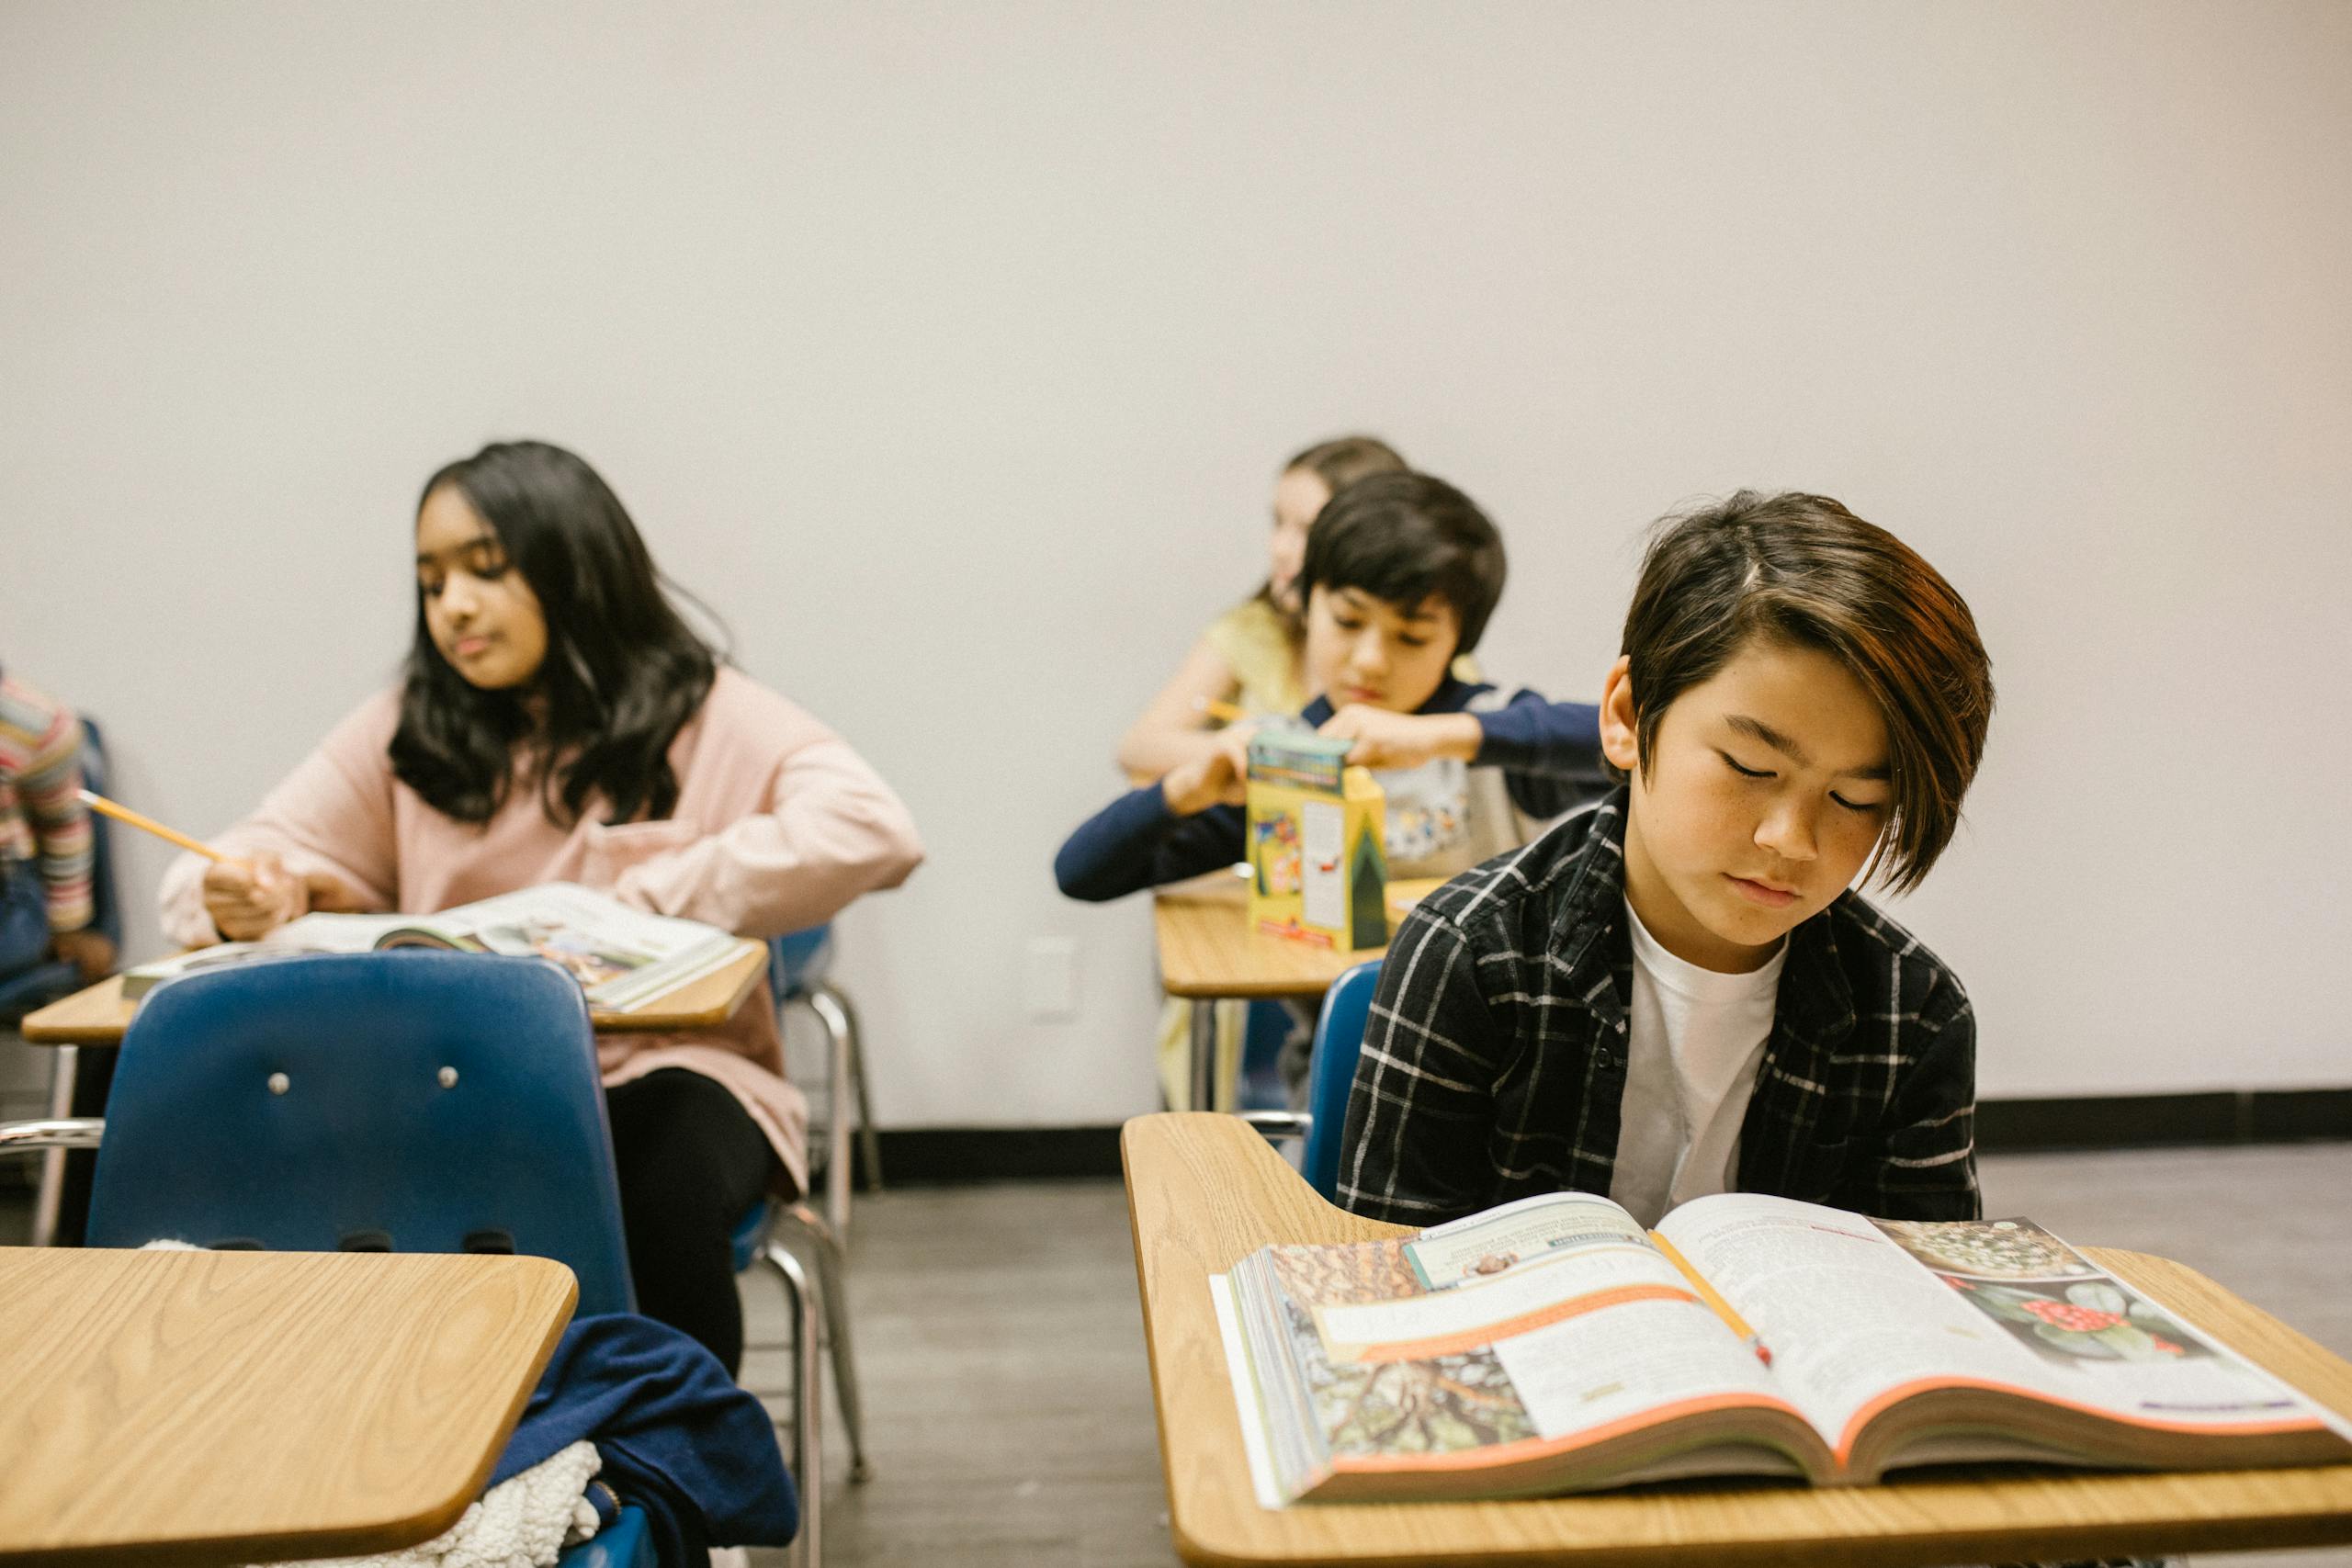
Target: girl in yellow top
column 1250, row 656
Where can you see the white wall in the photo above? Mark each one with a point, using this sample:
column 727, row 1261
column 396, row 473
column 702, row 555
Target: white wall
column 949, row 350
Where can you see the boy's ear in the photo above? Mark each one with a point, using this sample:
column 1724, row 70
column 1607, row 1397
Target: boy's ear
column 1617, row 732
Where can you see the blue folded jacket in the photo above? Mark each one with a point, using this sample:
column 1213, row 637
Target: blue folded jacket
column 678, row 1439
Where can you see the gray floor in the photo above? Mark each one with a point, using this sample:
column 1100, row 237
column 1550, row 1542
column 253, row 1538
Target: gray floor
column 1009, row 1411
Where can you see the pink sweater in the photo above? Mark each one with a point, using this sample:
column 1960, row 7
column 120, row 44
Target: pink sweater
column 778, row 826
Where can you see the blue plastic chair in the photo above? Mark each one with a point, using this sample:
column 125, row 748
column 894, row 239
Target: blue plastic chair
column 365, row 1143
column 623, row 1543
column 1330, row 1076
column 410, row 1102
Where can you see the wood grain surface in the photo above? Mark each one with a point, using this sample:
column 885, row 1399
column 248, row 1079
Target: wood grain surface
column 1203, row 1190
column 98, row 1015
column 217, row 1407
column 1207, row 948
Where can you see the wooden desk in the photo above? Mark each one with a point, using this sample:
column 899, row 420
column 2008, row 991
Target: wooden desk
column 229, row 1407
column 1204, row 1190
column 98, row 1015
column 1207, row 953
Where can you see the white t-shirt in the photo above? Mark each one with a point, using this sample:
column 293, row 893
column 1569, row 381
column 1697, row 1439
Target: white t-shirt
column 1695, row 1041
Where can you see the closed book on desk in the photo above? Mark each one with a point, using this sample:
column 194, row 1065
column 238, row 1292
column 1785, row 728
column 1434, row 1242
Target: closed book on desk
column 1553, row 1344
column 623, row 958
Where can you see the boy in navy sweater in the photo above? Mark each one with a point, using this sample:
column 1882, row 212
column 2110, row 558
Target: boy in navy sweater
column 1402, row 571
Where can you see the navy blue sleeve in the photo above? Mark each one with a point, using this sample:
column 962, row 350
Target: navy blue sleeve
column 1136, row 841
column 1550, row 752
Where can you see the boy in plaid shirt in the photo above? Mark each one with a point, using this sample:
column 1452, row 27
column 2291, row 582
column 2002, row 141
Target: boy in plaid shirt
column 1676, row 992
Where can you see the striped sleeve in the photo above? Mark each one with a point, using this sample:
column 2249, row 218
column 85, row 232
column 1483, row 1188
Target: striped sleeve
column 40, row 748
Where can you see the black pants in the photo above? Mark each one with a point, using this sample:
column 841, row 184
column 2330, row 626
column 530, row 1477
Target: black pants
column 691, row 1163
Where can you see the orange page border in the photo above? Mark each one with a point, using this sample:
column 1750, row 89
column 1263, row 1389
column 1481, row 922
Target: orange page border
column 1541, row 1448
column 1383, row 1352
column 1877, row 1406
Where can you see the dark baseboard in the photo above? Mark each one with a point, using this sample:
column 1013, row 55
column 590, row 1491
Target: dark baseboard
column 923, row 1157
column 947, row 1156
column 2164, row 1121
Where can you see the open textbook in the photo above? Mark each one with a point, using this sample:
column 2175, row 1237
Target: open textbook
column 622, row 957
column 1551, row 1345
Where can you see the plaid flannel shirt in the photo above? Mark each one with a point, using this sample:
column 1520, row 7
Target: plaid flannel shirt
column 1494, row 1061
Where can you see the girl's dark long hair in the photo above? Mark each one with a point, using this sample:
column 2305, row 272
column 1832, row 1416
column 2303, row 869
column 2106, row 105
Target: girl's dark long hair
column 623, row 670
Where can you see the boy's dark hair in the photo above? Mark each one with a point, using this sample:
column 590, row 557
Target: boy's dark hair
column 1406, row 539
column 1801, row 569
column 1343, row 460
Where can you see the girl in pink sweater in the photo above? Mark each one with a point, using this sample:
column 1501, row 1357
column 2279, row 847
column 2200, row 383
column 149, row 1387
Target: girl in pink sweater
column 559, row 721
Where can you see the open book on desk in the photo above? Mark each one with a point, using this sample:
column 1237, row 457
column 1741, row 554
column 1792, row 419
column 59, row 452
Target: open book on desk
column 1552, row 1345
column 623, row 958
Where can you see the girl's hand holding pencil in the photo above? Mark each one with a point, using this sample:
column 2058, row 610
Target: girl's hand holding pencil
column 250, row 898
column 247, row 897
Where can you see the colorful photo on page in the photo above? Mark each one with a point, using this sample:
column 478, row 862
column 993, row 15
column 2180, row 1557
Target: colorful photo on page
column 587, row 963
column 1444, row 1404
column 1450, row 1404
column 1995, row 1249
column 1467, row 1251
column 2084, row 1320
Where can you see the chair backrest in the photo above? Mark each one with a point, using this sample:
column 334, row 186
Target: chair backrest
column 1331, row 1071
column 798, row 960
column 417, row 1100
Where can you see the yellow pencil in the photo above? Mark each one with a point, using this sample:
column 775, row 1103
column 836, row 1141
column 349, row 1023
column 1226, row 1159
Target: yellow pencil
column 124, row 813
column 1223, row 710
column 1712, row 1298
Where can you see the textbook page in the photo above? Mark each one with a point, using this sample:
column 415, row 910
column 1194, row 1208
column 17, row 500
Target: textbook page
column 1858, row 1313
column 621, row 956
column 1249, row 1404
column 1546, row 1332
column 341, row 933
column 1489, row 1242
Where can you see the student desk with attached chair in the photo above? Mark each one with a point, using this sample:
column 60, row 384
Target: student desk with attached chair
column 193, row 1408
column 98, row 1014
column 1208, row 953
column 1203, row 1190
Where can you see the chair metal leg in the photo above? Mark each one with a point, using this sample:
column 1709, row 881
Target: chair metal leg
column 49, row 1198
column 840, row 1040
column 869, row 1141
column 832, row 1288
column 1204, row 1059
column 808, row 1403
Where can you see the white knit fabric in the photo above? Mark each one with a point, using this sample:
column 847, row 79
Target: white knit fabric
column 522, row 1522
